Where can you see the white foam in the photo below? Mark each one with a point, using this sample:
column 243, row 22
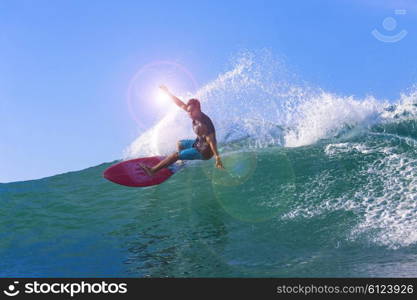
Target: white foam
column 323, row 116
column 334, row 149
column 392, row 211
column 386, row 203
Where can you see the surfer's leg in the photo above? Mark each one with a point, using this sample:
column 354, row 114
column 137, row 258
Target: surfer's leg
column 169, row 160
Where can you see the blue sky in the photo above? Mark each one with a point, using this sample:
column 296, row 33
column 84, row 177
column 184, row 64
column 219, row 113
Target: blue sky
column 65, row 66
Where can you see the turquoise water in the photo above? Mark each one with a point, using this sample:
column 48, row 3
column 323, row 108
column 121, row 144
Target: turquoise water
column 316, row 185
column 341, row 207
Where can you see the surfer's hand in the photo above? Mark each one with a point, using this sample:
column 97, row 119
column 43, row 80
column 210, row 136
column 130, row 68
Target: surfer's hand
column 219, row 163
column 164, row 88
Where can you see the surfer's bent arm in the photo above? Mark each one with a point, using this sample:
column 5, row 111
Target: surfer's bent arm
column 176, row 100
column 211, row 140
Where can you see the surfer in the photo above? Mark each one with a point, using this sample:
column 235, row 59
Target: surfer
column 203, row 147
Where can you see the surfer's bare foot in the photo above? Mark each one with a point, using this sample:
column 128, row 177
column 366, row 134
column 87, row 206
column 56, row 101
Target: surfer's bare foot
column 147, row 170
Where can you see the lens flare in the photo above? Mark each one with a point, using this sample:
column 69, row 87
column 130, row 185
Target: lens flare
column 146, row 102
column 236, row 193
column 239, row 167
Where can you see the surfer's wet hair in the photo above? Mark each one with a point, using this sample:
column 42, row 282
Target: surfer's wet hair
column 194, row 103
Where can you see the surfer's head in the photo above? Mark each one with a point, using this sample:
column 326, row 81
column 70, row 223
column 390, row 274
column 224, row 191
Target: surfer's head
column 193, row 108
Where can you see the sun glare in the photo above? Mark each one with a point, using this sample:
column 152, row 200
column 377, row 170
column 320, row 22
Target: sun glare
column 161, row 97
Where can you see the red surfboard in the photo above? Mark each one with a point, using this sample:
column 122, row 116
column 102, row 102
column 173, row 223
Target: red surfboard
column 129, row 173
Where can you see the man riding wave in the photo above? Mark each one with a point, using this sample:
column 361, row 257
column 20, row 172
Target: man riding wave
column 203, row 147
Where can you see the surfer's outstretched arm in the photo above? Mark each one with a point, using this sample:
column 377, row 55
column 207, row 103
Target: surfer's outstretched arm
column 176, row 100
column 211, row 140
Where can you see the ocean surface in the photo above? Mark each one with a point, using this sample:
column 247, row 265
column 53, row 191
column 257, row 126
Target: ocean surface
column 316, row 185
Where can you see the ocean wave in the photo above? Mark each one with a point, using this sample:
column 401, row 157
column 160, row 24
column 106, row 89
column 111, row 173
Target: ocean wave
column 259, row 100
